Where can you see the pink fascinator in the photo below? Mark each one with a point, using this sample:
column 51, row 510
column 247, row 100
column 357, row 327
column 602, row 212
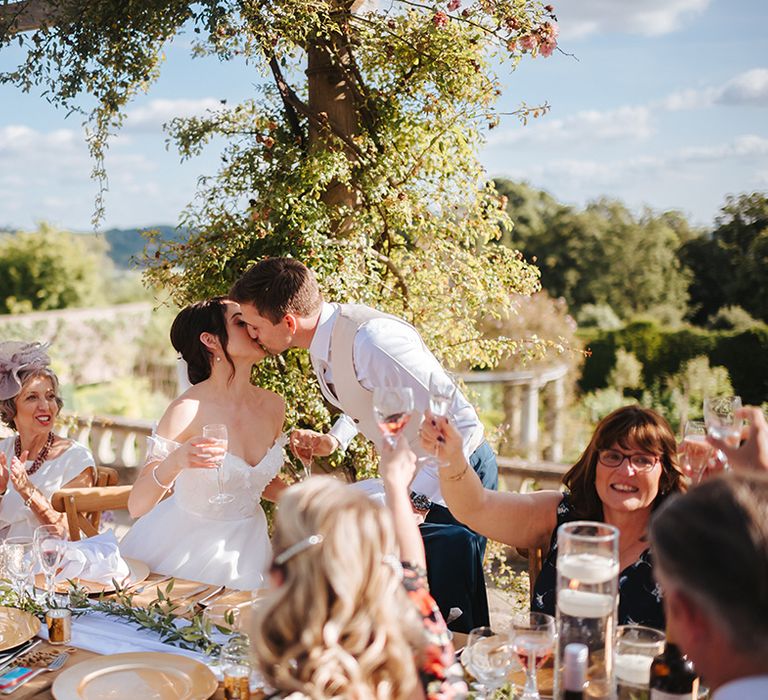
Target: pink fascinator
column 16, row 355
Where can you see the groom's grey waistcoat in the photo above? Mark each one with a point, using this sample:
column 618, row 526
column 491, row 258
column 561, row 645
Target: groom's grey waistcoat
column 356, row 401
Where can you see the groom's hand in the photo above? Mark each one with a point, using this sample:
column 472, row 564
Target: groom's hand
column 306, row 444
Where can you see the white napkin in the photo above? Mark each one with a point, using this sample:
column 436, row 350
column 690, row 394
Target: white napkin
column 94, row 559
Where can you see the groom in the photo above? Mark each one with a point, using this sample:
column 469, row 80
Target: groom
column 354, row 349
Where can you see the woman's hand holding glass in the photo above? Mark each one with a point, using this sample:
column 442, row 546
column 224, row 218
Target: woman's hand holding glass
column 440, row 438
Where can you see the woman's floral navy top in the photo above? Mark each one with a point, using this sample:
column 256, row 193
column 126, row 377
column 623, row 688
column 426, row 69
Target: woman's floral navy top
column 640, row 600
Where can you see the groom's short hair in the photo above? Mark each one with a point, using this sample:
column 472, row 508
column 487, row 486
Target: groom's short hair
column 278, row 286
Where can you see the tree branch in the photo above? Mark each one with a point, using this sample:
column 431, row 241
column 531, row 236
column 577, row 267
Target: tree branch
column 285, row 93
column 26, row 16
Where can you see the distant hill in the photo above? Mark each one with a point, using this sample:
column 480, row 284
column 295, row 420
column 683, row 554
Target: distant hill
column 126, row 243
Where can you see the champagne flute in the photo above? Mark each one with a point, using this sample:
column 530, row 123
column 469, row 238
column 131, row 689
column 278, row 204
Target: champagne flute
column 18, row 554
column 534, row 638
column 488, row 656
column 305, row 455
column 49, row 548
column 442, row 389
column 696, row 451
column 217, row 433
column 721, row 421
column 392, row 407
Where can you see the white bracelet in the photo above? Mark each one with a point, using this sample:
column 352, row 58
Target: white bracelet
column 157, row 481
column 28, row 502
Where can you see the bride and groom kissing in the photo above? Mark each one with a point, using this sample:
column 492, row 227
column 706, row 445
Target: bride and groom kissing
column 353, row 349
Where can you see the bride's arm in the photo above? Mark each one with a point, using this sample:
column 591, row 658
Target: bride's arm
column 159, row 472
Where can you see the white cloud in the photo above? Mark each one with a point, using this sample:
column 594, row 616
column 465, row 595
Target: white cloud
column 18, row 140
column 587, row 126
column 580, row 18
column 157, row 112
column 602, row 173
column 748, row 88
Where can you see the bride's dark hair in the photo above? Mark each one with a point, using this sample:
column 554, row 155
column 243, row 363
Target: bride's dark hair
column 208, row 316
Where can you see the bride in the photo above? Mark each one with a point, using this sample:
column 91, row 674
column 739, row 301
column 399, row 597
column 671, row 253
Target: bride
column 186, row 535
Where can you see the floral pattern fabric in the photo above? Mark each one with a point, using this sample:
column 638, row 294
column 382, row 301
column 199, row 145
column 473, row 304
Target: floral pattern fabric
column 640, row 601
column 441, row 674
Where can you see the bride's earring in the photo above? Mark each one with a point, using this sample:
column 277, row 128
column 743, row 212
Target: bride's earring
column 218, row 358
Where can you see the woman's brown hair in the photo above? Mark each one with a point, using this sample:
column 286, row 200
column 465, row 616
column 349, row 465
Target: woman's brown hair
column 629, row 427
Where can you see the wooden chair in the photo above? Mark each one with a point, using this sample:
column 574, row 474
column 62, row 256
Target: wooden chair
column 84, row 506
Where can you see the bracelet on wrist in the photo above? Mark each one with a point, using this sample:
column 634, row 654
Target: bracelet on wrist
column 157, row 481
column 460, row 475
column 28, row 502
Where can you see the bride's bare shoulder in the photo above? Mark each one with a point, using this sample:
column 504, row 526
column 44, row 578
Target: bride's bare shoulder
column 180, row 416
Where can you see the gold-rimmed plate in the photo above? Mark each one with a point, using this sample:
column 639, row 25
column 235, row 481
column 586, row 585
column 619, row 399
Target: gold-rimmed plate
column 16, row 627
column 137, row 571
column 136, row 675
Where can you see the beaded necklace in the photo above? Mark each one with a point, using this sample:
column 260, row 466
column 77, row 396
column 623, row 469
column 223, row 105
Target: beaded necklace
column 40, row 455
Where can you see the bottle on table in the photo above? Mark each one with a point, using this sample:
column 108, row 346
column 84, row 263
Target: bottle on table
column 575, row 657
column 673, row 676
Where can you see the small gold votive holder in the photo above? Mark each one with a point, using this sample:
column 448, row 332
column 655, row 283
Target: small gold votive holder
column 59, row 623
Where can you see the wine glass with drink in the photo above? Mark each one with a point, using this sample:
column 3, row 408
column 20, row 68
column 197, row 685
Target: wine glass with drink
column 216, row 433
column 534, row 639
column 488, row 657
column 392, row 407
column 696, row 451
column 442, row 389
column 304, row 451
column 49, row 548
column 721, row 420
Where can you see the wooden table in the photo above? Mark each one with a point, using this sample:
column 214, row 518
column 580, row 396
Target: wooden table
column 40, row 688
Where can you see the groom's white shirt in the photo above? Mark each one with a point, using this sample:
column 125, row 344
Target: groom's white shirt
column 388, row 352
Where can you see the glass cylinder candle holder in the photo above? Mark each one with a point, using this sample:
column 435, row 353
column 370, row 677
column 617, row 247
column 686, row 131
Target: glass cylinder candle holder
column 587, row 601
column 636, row 646
column 59, row 624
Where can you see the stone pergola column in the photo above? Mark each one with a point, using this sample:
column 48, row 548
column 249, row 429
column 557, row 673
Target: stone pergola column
column 554, row 419
column 529, row 423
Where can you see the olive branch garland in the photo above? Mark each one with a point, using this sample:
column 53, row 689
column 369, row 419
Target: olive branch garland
column 159, row 616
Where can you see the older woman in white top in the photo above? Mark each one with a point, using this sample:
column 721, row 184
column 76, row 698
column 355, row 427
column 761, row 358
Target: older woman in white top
column 35, row 462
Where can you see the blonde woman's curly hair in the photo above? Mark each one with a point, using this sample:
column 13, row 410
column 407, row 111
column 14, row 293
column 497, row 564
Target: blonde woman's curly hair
column 338, row 626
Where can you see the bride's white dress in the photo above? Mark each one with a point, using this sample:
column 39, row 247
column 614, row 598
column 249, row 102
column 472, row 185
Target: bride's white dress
column 223, row 544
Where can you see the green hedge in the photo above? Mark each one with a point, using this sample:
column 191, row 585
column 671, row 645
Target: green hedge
column 662, row 352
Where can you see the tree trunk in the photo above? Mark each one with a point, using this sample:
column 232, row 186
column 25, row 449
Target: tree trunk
column 332, row 99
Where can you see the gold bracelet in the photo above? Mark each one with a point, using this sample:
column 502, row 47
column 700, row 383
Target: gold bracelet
column 459, row 476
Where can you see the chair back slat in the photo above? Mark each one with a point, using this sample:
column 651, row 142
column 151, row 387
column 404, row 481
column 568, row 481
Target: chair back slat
column 83, row 506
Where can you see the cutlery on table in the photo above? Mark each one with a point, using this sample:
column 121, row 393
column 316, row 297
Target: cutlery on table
column 213, row 594
column 142, row 585
column 10, row 658
column 55, row 665
column 191, row 594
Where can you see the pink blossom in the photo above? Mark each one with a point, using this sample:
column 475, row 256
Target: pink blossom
column 511, row 45
column 528, row 42
column 546, row 48
column 454, row 5
column 440, row 20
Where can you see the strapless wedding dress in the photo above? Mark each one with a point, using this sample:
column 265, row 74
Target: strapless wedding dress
column 223, row 544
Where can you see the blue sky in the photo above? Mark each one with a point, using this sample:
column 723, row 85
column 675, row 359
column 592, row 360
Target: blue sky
column 666, row 106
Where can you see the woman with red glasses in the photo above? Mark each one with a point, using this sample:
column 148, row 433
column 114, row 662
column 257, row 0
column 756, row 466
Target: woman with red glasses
column 624, row 474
